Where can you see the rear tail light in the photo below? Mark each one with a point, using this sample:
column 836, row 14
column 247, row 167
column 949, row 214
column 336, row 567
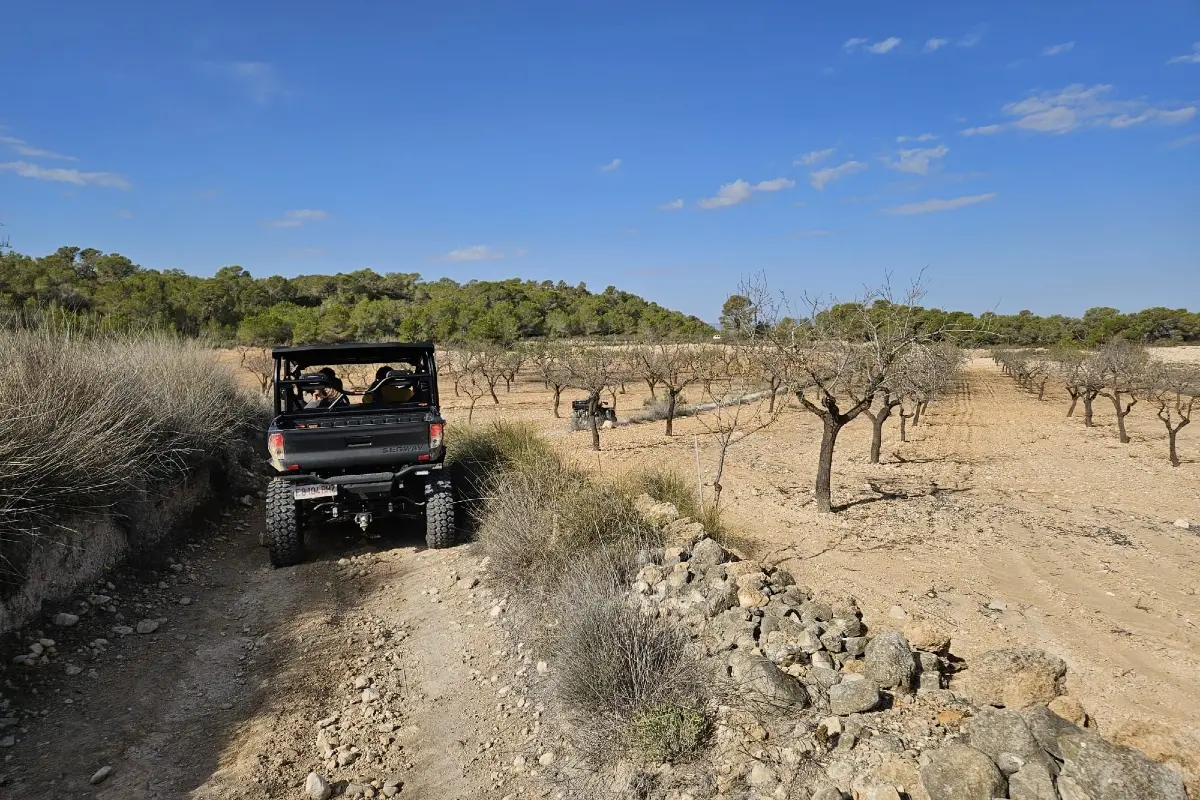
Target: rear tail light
column 435, row 435
column 275, row 449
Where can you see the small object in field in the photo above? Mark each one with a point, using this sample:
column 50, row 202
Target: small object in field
column 316, row 787
column 998, row 605
column 1183, row 523
column 65, row 620
column 147, row 626
column 896, row 612
column 101, row 775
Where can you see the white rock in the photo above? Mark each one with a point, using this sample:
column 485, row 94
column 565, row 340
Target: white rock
column 1183, row 523
column 122, row 630
column 998, row 605
column 100, row 775
column 495, row 611
column 546, row 758
column 65, row 620
column 543, row 667
column 362, row 682
column 316, row 787
column 185, row 601
column 896, row 612
column 73, row 670
column 370, row 694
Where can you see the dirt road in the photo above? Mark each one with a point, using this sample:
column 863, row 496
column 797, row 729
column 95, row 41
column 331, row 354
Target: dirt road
column 223, row 700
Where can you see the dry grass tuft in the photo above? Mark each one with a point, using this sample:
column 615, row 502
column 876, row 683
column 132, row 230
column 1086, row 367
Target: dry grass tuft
column 671, row 486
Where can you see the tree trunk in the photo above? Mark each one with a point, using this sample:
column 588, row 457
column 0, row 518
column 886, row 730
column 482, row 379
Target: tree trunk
column 829, row 433
column 877, row 430
column 1171, row 434
column 652, row 384
column 1042, row 389
column 672, row 396
column 916, row 415
column 1074, row 400
column 593, row 411
column 903, row 429
column 771, row 403
column 1087, row 409
column 507, row 384
column 471, row 410
column 492, row 389
column 1115, row 396
column 557, row 397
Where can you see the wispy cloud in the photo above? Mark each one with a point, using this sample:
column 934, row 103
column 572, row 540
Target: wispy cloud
column 674, row 205
column 297, row 218
column 258, row 79
column 924, row 137
column 476, row 252
column 612, row 165
column 969, row 40
column 739, row 191
column 935, row 44
column 1058, row 49
column 1077, row 106
column 828, row 175
column 879, row 48
column 886, row 46
column 1191, row 58
column 1183, row 141
column 917, row 161
column 809, row 234
column 23, row 148
column 982, row 130
column 927, row 206
column 27, row 170
column 816, row 156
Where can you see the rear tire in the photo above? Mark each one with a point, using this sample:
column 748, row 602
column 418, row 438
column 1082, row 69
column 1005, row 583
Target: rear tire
column 285, row 539
column 439, row 518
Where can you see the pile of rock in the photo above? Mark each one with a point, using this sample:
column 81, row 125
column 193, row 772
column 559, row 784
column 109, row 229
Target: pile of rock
column 811, row 705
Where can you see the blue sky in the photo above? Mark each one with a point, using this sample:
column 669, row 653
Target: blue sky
column 1027, row 154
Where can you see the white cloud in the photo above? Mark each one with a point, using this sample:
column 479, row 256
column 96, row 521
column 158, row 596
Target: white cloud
column 27, row 170
column 1183, row 141
column 932, row 45
column 853, row 44
column 1077, row 106
column 808, row 159
column 23, row 148
column 982, row 130
column 612, row 165
column 258, row 79
column 927, row 206
column 809, row 234
column 917, row 161
column 821, row 177
column 886, row 46
column 296, row 218
column 1058, row 49
column 674, row 205
column 924, row 137
column 774, row 185
column 731, row 194
column 1191, row 58
column 969, row 40
column 476, row 252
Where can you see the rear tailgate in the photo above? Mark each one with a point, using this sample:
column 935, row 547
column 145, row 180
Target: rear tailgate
column 355, row 441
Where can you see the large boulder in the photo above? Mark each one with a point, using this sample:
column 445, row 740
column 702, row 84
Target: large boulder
column 1013, row 678
column 1106, row 771
column 1001, row 730
column 890, row 661
column 959, row 772
column 1032, row 782
column 769, row 684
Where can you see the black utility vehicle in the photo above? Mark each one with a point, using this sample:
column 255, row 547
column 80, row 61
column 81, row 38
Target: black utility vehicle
column 340, row 454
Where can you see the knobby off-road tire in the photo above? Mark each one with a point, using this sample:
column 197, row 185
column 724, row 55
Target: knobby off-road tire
column 285, row 539
column 439, row 518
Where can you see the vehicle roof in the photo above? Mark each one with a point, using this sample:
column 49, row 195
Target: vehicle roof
column 351, row 352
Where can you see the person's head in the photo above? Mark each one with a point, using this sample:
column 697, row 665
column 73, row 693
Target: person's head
column 382, row 373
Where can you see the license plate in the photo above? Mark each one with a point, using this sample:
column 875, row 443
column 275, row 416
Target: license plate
column 310, row 492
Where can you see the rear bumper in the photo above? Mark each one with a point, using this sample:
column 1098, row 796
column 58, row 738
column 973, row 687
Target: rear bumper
column 377, row 478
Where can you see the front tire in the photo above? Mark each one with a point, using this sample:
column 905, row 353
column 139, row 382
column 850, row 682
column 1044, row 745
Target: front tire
column 285, row 539
column 439, row 518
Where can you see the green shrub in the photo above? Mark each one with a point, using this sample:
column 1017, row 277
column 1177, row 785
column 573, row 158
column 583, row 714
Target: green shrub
column 668, row 732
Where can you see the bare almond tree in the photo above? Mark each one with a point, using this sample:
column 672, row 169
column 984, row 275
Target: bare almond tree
column 673, row 365
column 593, row 369
column 511, row 362
column 1123, row 365
column 258, row 362
column 841, row 356
column 1174, row 389
column 471, row 380
column 549, row 361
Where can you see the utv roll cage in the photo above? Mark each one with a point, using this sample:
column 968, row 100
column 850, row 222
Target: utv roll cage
column 291, row 380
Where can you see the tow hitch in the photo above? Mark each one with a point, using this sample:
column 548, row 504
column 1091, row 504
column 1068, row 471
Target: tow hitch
column 363, row 519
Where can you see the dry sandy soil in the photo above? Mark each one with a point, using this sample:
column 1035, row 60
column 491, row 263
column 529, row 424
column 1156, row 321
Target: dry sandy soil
column 995, row 497
column 996, row 500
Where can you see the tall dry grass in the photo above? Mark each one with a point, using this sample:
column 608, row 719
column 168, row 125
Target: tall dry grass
column 87, row 417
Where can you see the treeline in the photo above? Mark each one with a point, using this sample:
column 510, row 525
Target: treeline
column 235, row 306
column 1152, row 326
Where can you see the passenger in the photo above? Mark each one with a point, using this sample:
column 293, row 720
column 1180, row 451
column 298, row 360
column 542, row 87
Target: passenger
column 387, row 392
column 326, row 396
